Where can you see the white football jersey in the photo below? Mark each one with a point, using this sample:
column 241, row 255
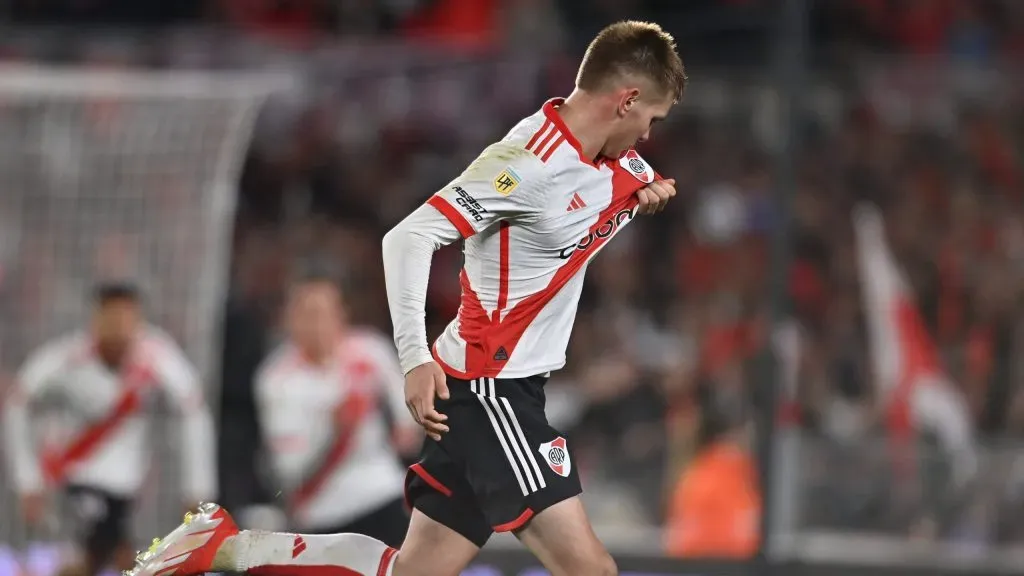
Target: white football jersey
column 533, row 211
column 327, row 435
column 106, row 443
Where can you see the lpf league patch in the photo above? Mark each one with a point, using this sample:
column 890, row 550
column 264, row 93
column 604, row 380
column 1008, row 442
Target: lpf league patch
column 637, row 166
column 506, row 182
column 557, row 456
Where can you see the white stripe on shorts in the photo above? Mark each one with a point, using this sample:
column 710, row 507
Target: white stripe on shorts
column 522, row 440
column 510, row 435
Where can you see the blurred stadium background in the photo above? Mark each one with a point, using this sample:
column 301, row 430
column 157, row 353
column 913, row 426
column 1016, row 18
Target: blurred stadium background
column 319, row 124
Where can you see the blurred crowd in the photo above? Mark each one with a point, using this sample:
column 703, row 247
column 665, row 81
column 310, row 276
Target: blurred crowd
column 914, row 105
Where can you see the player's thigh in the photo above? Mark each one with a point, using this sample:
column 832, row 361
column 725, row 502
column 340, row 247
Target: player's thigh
column 433, row 549
column 563, row 540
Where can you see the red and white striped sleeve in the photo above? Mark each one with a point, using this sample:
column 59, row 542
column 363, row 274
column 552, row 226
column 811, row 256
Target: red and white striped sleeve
column 38, row 376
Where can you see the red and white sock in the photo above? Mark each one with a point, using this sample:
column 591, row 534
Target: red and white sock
column 280, row 554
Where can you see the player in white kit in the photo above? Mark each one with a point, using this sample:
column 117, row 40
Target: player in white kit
column 106, row 377
column 333, row 414
column 533, row 210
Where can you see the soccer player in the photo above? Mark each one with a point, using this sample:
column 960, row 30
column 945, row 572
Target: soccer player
column 106, row 376
column 533, row 210
column 333, row 414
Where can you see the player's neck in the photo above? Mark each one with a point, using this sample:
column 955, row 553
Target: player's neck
column 581, row 114
column 113, row 356
column 319, row 357
column 112, row 359
column 322, row 355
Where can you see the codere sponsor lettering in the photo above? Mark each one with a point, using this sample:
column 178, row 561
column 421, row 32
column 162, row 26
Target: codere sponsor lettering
column 608, row 228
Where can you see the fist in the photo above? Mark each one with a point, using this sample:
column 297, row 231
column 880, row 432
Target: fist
column 422, row 385
column 655, row 196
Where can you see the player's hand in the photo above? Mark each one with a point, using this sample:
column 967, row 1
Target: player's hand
column 33, row 507
column 655, row 196
column 422, row 383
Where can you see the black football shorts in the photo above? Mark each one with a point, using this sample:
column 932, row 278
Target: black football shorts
column 499, row 464
column 99, row 520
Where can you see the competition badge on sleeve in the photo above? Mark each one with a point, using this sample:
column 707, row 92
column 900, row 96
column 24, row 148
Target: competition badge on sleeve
column 506, row 182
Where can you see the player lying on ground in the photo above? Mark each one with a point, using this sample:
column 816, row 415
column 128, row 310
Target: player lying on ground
column 533, row 210
column 324, row 398
column 106, row 377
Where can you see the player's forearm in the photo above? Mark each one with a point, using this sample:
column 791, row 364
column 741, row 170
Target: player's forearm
column 200, row 461
column 17, row 433
column 408, row 250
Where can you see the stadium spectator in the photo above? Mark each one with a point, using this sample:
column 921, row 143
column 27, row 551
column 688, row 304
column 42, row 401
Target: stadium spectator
column 715, row 510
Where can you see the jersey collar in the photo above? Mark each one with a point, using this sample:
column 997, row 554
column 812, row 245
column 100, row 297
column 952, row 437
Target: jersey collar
column 551, row 113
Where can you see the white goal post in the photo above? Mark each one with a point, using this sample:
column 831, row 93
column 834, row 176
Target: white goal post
column 119, row 175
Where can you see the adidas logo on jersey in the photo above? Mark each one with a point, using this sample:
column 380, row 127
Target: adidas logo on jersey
column 576, row 203
column 501, row 355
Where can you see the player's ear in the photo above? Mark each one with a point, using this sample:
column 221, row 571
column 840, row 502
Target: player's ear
column 627, row 100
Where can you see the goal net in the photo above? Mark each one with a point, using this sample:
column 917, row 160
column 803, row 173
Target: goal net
column 118, row 176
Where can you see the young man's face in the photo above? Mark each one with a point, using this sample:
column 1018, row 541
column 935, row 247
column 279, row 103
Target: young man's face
column 114, row 326
column 315, row 317
column 638, row 112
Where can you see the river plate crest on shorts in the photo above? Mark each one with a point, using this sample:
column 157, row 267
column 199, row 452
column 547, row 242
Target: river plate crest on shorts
column 637, row 166
column 557, row 456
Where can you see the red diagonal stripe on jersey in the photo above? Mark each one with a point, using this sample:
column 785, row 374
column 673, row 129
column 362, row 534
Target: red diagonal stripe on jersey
column 483, row 336
column 536, row 136
column 349, row 417
column 56, row 465
column 508, row 332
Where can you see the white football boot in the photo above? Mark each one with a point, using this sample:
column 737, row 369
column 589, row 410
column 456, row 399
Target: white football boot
column 191, row 548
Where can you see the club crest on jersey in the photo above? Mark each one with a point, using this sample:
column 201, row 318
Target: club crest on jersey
column 637, row 166
column 506, row 182
column 557, row 456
